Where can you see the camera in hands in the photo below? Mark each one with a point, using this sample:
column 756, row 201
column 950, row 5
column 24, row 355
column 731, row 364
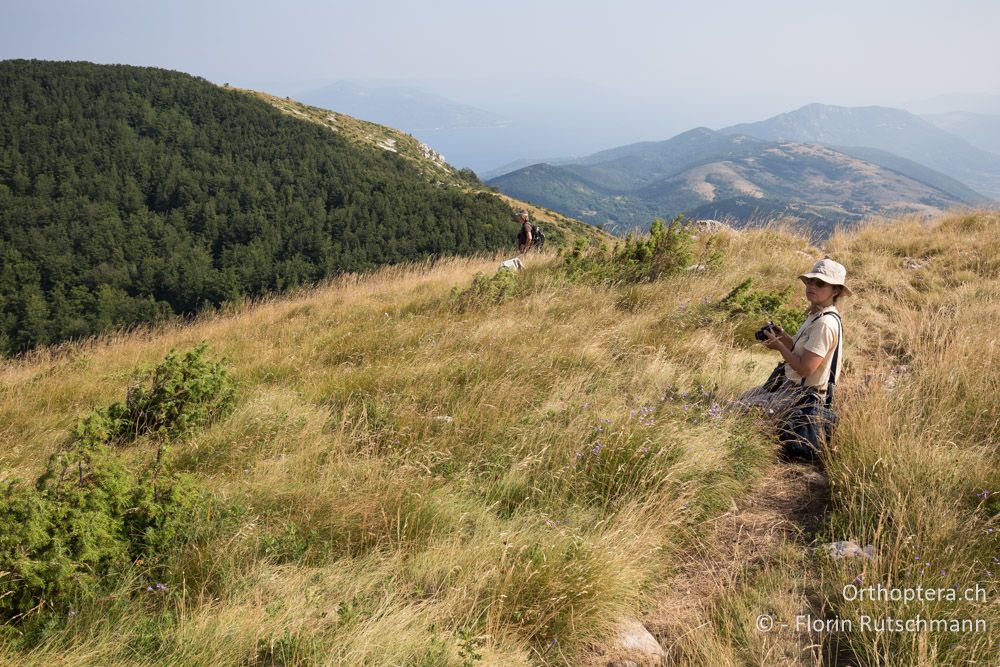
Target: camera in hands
column 766, row 331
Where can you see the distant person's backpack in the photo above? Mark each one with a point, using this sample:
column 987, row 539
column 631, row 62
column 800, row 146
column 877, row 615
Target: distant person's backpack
column 537, row 237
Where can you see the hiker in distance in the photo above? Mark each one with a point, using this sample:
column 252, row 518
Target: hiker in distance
column 524, row 237
column 804, row 376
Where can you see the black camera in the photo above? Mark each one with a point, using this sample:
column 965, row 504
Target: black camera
column 769, row 329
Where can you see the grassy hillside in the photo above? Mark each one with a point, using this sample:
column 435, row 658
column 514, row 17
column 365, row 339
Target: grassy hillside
column 416, row 473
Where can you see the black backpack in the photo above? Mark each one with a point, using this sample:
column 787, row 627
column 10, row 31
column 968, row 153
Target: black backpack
column 807, row 428
column 537, row 237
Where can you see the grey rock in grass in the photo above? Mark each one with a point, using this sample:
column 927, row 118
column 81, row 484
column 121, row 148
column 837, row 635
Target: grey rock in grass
column 634, row 638
column 845, row 549
column 710, row 227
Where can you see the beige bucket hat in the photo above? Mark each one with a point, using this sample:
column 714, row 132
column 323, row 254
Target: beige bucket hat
column 830, row 272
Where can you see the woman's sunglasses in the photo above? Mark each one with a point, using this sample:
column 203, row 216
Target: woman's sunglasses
column 815, row 282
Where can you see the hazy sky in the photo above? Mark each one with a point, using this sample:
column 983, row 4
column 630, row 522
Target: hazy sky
column 699, row 62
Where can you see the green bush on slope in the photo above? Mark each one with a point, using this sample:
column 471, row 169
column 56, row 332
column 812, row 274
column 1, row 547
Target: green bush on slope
column 667, row 250
column 89, row 515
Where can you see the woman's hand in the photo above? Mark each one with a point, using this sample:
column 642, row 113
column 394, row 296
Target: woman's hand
column 783, row 335
column 774, row 338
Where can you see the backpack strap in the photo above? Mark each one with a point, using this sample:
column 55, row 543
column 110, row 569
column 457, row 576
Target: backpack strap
column 833, row 362
column 832, row 382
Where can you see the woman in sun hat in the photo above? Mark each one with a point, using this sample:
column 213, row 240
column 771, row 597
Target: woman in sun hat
column 808, row 357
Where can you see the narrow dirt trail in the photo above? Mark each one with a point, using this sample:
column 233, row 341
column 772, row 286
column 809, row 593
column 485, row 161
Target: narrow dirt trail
column 785, row 507
column 778, row 517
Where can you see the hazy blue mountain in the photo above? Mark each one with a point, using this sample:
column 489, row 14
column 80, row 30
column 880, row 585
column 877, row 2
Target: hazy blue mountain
column 407, row 109
column 520, row 164
column 638, row 165
column 705, row 173
column 979, row 129
column 560, row 189
column 987, row 103
column 893, row 130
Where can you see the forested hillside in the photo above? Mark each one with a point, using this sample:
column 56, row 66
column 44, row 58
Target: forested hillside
column 128, row 194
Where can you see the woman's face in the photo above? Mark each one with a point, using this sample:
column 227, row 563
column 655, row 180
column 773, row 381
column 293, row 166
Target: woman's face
column 818, row 292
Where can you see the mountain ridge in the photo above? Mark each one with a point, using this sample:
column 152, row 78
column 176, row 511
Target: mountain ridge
column 703, row 172
column 885, row 128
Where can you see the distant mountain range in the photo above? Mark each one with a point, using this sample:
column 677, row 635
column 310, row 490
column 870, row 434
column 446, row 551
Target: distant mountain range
column 893, row 130
column 403, row 108
column 708, row 174
column 979, row 129
column 821, row 164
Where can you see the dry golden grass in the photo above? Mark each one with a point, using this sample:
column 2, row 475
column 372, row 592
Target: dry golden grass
column 376, row 531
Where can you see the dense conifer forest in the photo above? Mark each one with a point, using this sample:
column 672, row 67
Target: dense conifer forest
column 132, row 194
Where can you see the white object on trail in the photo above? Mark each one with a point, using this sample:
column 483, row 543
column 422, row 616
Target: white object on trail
column 512, row 264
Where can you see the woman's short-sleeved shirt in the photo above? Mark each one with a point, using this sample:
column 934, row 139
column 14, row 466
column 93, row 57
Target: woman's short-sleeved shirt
column 818, row 334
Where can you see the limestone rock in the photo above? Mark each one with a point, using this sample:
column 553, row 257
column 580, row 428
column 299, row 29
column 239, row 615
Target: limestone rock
column 845, row 549
column 634, row 638
column 710, row 227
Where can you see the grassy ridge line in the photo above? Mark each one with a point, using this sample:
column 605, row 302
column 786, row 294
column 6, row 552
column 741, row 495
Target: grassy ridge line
column 560, row 230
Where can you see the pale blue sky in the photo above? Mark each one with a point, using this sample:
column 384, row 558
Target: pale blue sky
column 659, row 66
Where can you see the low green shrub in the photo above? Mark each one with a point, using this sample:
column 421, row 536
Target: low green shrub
column 182, row 393
column 88, row 516
column 755, row 307
column 487, row 290
column 667, row 250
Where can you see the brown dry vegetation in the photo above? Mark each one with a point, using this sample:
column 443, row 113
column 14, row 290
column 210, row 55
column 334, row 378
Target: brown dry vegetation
column 372, row 530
